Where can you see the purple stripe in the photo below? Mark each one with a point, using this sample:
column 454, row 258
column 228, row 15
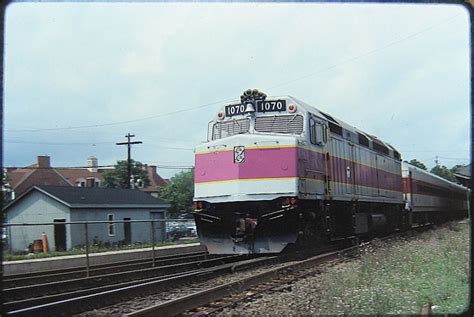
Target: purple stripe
column 289, row 162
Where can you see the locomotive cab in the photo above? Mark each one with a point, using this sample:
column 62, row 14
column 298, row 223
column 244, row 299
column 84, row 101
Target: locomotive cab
column 247, row 172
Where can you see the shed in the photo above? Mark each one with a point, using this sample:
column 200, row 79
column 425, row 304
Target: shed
column 64, row 204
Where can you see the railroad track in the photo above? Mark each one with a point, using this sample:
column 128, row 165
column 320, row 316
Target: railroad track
column 18, row 298
column 186, row 304
column 18, row 280
column 80, row 301
column 178, row 292
column 212, row 300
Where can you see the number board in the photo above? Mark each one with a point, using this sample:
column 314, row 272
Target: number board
column 233, row 110
column 271, row 105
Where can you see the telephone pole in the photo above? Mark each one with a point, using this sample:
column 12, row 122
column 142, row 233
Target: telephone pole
column 129, row 159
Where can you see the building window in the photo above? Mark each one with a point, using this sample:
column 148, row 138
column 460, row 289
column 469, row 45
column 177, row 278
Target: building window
column 97, row 183
column 111, row 225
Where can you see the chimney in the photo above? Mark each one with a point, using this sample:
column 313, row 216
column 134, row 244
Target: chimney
column 43, row 162
column 152, row 169
column 92, row 164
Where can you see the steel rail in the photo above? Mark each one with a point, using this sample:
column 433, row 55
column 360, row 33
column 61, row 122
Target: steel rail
column 20, row 280
column 185, row 303
column 83, row 303
column 18, row 293
column 78, row 268
column 30, row 302
column 189, row 302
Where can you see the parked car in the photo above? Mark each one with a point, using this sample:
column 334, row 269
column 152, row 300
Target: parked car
column 181, row 230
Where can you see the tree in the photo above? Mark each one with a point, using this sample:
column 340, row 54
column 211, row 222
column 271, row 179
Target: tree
column 179, row 192
column 443, row 172
column 117, row 178
column 418, row 164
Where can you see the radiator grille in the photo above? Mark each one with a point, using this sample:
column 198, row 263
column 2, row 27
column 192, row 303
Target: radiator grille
column 229, row 128
column 288, row 124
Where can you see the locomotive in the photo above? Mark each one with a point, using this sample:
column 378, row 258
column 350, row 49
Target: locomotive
column 277, row 172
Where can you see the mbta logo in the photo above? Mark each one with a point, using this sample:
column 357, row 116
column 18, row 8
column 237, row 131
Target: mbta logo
column 239, row 154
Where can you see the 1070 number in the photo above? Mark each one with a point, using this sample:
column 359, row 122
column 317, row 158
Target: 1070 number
column 233, row 110
column 272, row 105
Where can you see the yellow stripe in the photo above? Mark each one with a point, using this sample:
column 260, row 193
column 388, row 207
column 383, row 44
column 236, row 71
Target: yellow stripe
column 249, row 179
column 251, row 148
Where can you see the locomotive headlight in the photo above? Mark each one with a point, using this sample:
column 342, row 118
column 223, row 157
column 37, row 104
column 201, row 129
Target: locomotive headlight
column 198, row 205
column 291, row 108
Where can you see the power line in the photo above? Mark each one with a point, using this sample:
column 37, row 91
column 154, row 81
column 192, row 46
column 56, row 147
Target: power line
column 99, row 166
column 122, row 122
column 348, row 60
column 175, row 167
column 365, row 54
column 171, row 147
column 93, row 144
column 57, row 143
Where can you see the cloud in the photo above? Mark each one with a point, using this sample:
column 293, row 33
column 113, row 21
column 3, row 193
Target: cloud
column 90, row 63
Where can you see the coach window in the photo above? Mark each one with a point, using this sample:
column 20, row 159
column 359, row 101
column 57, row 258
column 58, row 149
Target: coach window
column 111, row 224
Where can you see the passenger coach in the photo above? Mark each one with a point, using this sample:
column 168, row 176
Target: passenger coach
column 430, row 198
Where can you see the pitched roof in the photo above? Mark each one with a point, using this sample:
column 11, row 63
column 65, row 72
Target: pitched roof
column 97, row 197
column 30, row 177
column 464, row 172
column 73, row 174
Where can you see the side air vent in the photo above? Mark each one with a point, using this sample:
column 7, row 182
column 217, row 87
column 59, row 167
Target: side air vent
column 288, row 124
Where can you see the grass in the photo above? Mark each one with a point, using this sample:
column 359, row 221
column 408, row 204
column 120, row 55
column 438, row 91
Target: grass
column 400, row 277
column 92, row 249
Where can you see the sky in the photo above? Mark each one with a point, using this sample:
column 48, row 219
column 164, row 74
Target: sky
column 79, row 76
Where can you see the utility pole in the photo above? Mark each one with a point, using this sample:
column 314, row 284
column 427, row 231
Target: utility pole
column 129, row 159
column 436, row 160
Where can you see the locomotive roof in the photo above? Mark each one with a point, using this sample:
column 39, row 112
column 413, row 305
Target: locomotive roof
column 329, row 117
column 344, row 125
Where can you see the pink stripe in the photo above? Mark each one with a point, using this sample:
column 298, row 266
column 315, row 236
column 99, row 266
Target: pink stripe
column 259, row 163
column 288, row 162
